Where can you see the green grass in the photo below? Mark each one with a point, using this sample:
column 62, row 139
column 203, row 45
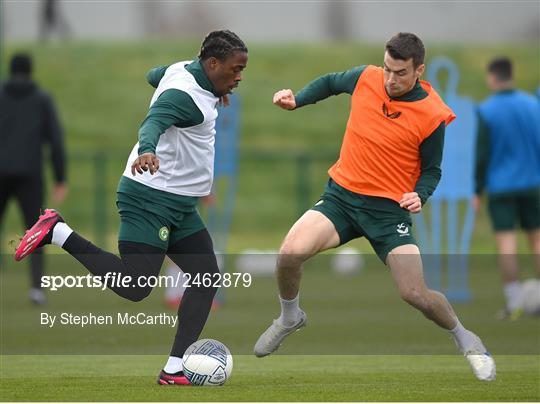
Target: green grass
column 361, row 344
column 277, row 378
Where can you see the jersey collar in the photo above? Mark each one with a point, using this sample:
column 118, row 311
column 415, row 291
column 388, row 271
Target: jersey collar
column 417, row 93
column 196, row 69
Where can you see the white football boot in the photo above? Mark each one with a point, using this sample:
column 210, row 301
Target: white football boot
column 481, row 362
column 272, row 338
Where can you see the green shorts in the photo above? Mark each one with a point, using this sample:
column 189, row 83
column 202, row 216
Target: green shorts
column 506, row 210
column 380, row 220
column 155, row 217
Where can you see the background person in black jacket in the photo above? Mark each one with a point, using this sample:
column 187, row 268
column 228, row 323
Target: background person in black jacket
column 28, row 120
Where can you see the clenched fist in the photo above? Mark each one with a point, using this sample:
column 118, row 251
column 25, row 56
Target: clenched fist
column 411, row 201
column 285, row 99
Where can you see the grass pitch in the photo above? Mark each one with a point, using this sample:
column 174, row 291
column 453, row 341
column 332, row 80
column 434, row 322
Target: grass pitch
column 361, row 344
column 276, row 378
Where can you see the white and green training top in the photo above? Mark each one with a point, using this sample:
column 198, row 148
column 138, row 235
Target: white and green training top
column 180, row 130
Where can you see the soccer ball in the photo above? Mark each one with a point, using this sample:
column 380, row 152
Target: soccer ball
column 207, row 362
column 530, row 292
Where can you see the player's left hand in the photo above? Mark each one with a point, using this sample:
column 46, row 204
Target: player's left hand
column 411, row 201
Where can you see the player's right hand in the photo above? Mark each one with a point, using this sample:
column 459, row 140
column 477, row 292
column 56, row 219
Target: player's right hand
column 285, row 99
column 145, row 162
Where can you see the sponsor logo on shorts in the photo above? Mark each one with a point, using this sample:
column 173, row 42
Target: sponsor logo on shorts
column 164, row 233
column 403, row 230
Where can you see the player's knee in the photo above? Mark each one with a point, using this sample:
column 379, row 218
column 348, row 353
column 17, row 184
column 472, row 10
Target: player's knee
column 290, row 259
column 290, row 256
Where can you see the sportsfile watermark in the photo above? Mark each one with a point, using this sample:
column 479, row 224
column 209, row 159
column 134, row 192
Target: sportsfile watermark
column 350, row 299
column 118, row 280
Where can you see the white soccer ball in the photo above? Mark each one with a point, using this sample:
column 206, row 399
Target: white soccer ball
column 207, row 362
column 530, row 292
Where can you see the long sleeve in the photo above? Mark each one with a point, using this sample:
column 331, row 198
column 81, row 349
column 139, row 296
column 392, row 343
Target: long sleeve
column 53, row 135
column 173, row 107
column 431, row 152
column 482, row 155
column 155, row 75
column 328, row 85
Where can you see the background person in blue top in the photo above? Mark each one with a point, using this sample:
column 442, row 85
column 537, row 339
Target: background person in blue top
column 508, row 167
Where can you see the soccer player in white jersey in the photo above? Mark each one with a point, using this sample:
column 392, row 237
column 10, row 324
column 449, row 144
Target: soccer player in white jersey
column 168, row 170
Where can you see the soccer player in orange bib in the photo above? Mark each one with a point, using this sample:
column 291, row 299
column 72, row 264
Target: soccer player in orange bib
column 389, row 165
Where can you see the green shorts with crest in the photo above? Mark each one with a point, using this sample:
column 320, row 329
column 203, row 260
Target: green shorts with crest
column 154, row 217
column 381, row 220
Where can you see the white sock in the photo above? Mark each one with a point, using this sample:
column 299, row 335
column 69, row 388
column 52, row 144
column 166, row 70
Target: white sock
column 512, row 292
column 61, row 232
column 465, row 339
column 290, row 310
column 174, row 365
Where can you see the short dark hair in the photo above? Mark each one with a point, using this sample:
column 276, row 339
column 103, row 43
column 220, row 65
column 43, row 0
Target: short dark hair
column 405, row 46
column 21, row 63
column 221, row 44
column 501, row 67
